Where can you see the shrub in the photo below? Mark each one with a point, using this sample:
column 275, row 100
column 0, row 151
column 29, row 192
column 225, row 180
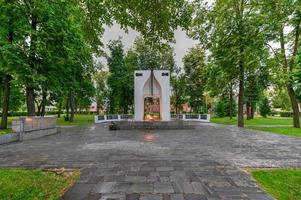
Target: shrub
column 264, row 107
column 220, row 108
column 287, row 114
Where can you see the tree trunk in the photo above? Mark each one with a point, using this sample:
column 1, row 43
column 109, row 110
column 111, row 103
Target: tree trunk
column 5, row 105
column 241, row 96
column 97, row 107
column 39, row 108
column 253, row 108
column 288, row 68
column 6, row 83
column 67, row 109
column 231, row 103
column 43, row 103
column 59, row 110
column 30, row 101
column 30, row 98
column 72, row 106
column 1, row 91
column 248, row 110
column 295, row 107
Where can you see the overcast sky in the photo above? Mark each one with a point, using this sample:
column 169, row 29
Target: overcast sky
column 183, row 43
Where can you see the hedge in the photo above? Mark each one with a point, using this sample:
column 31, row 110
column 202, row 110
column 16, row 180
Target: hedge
column 287, row 114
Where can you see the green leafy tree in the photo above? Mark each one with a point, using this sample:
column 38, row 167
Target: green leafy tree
column 280, row 99
column 178, row 97
column 219, row 109
column 232, row 31
column 12, row 35
column 116, row 66
column 100, row 78
column 194, row 73
column 264, row 107
column 153, row 57
column 282, row 17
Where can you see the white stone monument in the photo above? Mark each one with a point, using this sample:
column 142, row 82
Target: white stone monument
column 152, row 84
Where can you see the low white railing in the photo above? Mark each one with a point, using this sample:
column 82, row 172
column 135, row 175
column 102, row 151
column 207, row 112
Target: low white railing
column 125, row 117
column 191, row 117
column 112, row 118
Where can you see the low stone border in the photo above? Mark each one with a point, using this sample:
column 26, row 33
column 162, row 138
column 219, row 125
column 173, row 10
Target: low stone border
column 9, row 138
column 27, row 128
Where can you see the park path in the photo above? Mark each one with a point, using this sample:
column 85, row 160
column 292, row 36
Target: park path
column 206, row 163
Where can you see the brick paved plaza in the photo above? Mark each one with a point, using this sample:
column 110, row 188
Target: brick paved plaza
column 207, row 163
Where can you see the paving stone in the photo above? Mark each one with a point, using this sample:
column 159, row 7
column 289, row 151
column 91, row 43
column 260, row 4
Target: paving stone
column 78, row 191
column 104, row 187
column 195, row 197
column 164, row 169
column 176, row 197
column 121, row 187
column 198, row 188
column 151, row 197
column 162, row 188
column 132, row 196
column 113, row 197
column 201, row 162
column 141, row 188
column 135, row 179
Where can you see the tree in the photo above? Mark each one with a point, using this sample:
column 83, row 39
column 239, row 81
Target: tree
column 43, row 30
column 257, row 80
column 280, row 99
column 116, row 66
column 279, row 16
column 12, row 34
column 264, row 107
column 232, row 31
column 178, row 97
column 221, row 83
column 100, row 78
column 194, row 73
column 153, row 57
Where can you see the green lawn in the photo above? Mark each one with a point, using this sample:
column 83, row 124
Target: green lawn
column 19, row 184
column 283, row 184
column 80, row 120
column 255, row 121
column 259, row 123
column 2, row 132
column 280, row 130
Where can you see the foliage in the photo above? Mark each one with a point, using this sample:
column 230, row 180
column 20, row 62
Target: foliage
column 264, row 107
column 280, row 99
column 222, row 108
column 151, row 57
column 283, row 22
column 219, row 110
column 178, row 97
column 286, row 114
column 47, row 48
column 5, row 131
column 34, row 184
column 272, row 181
column 231, row 30
column 100, row 78
column 117, row 68
column 194, row 74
